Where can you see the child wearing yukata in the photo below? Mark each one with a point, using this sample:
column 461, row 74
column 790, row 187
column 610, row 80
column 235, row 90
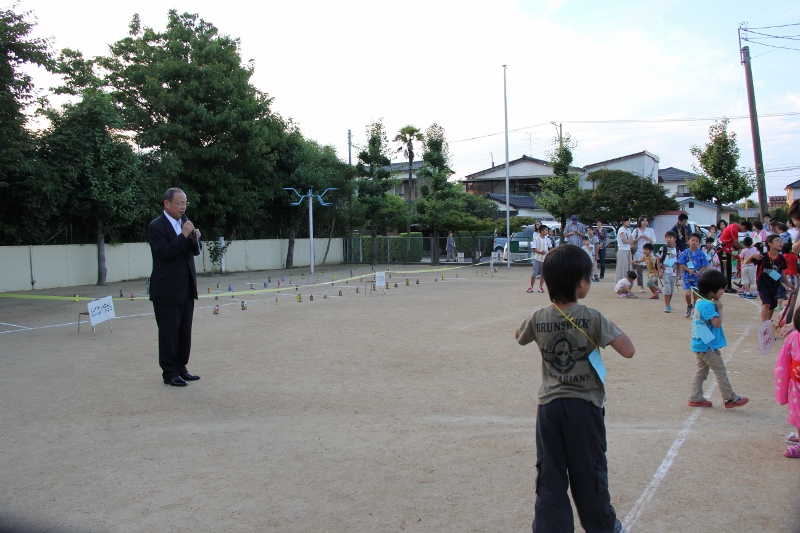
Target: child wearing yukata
column 787, row 385
column 770, row 277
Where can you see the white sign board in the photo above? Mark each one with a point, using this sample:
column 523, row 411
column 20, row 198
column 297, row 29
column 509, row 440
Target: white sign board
column 380, row 279
column 101, row 310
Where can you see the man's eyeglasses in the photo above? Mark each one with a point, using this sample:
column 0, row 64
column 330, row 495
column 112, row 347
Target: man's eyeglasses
column 180, row 204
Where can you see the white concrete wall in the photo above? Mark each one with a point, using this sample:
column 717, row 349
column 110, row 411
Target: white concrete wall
column 71, row 265
column 702, row 214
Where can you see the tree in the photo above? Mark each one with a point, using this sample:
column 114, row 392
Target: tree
column 719, row 178
column 186, row 94
column 17, row 145
column 439, row 197
column 406, row 137
column 102, row 178
column 618, row 193
column 477, row 215
column 375, row 179
column 561, row 186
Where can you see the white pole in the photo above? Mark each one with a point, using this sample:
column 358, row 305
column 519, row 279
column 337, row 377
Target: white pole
column 311, row 228
column 508, row 207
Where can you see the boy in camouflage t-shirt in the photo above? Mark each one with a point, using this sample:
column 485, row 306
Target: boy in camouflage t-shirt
column 570, row 426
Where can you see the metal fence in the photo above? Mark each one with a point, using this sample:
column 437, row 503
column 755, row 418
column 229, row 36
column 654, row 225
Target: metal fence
column 417, row 249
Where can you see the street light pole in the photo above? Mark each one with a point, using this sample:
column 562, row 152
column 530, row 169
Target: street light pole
column 310, row 197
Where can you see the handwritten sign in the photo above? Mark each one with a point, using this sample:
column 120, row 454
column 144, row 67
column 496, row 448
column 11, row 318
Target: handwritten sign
column 380, row 279
column 101, row 310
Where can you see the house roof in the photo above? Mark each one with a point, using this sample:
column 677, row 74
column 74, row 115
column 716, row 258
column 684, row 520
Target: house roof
column 520, row 201
column 672, row 174
column 523, row 159
column 654, row 157
column 793, row 185
column 403, row 166
column 707, row 204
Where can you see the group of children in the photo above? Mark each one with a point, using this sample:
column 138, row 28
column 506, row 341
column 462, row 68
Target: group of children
column 570, row 430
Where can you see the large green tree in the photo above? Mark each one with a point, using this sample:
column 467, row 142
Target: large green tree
column 558, row 189
column 374, row 180
column 100, row 176
column 22, row 202
column 186, row 94
column 617, row 193
column 440, row 197
column 720, row 179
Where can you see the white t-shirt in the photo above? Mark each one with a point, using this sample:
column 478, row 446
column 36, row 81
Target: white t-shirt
column 621, row 245
column 540, row 245
column 640, row 241
column 624, row 282
column 589, row 251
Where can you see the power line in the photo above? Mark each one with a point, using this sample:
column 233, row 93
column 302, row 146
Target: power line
column 770, row 45
column 768, row 27
column 768, row 36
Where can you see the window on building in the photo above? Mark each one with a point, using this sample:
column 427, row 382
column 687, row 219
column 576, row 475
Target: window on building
column 683, row 190
column 691, row 205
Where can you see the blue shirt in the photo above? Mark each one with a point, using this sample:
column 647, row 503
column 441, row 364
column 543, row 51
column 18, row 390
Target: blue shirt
column 704, row 311
column 698, row 259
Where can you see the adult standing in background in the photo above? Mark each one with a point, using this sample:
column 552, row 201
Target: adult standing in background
column 574, row 231
column 623, row 248
column 600, row 232
column 642, row 235
column 451, row 247
column 729, row 239
column 174, row 242
column 683, row 230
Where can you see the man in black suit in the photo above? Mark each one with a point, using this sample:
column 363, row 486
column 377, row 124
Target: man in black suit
column 174, row 241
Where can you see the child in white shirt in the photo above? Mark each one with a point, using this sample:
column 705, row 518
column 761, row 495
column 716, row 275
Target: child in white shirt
column 623, row 286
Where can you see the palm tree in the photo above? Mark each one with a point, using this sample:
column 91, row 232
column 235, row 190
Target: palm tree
column 406, row 137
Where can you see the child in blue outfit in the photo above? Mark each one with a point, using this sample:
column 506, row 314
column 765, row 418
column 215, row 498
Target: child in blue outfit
column 693, row 263
column 570, row 425
column 708, row 338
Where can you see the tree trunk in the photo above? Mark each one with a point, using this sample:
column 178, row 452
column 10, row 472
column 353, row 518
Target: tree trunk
column 330, row 236
column 719, row 211
column 101, row 254
column 290, row 248
column 374, row 233
column 435, row 245
column 410, row 199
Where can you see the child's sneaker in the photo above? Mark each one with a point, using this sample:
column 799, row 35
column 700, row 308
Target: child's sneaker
column 751, row 296
column 736, row 402
column 654, row 297
column 668, row 309
column 530, row 289
column 541, row 289
column 703, row 403
column 688, row 311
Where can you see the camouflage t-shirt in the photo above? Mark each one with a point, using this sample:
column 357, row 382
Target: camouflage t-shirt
column 566, row 370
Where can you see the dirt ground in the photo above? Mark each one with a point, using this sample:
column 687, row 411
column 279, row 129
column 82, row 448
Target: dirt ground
column 412, row 410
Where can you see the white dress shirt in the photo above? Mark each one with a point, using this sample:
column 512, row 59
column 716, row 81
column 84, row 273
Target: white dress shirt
column 176, row 224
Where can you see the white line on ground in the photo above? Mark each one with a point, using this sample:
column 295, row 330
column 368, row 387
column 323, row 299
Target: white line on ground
column 13, row 325
column 672, row 453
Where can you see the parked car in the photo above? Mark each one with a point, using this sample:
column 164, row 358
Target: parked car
column 525, row 237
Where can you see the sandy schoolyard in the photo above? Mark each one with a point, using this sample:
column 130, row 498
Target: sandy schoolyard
column 409, row 410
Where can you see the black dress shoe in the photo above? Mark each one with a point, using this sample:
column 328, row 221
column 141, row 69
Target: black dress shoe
column 189, row 377
column 175, row 382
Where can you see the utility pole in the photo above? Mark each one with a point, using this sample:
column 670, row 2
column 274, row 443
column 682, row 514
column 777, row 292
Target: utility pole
column 761, row 185
column 560, row 138
column 349, row 148
column 508, row 202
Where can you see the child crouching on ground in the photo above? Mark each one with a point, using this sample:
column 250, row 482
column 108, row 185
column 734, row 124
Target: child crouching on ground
column 707, row 339
column 623, row 286
column 570, row 427
column 787, row 385
column 666, row 263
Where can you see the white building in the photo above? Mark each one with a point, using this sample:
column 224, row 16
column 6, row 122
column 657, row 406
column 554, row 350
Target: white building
column 676, row 181
column 792, row 192
column 704, row 213
column 643, row 163
column 524, row 177
column 523, row 205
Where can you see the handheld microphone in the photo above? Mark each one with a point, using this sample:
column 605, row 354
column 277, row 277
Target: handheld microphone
column 184, row 218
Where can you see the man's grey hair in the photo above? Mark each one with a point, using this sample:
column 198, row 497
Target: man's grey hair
column 170, row 193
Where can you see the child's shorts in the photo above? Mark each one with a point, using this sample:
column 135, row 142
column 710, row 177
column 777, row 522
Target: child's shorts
column 537, row 268
column 669, row 284
column 689, row 284
column 749, row 274
column 652, row 282
column 769, row 298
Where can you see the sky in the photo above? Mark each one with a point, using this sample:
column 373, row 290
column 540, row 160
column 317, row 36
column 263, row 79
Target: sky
column 337, row 66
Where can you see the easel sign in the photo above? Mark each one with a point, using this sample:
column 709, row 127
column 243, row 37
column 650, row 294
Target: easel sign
column 101, row 310
column 380, row 279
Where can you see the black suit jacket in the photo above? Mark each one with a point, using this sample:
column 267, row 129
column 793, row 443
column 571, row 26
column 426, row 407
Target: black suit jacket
column 174, row 278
